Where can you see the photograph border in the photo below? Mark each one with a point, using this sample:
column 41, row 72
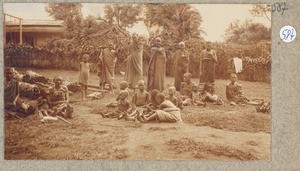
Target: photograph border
column 285, row 93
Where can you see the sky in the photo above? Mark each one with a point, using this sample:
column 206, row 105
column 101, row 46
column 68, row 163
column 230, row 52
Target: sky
column 216, row 17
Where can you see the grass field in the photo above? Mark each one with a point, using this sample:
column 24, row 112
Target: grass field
column 210, row 133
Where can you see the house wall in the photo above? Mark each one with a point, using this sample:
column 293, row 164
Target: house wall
column 32, row 38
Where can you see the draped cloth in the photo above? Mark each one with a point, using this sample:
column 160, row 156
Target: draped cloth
column 157, row 69
column 238, row 64
column 134, row 69
column 181, row 66
column 207, row 66
column 107, row 67
column 170, row 116
column 11, row 91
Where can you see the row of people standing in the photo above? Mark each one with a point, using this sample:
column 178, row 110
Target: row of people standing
column 157, row 65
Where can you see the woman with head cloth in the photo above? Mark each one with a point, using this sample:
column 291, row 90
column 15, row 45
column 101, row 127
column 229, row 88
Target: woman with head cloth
column 181, row 61
column 157, row 66
column 134, row 69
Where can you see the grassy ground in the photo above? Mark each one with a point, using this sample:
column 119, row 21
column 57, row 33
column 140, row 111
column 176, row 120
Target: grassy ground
column 213, row 132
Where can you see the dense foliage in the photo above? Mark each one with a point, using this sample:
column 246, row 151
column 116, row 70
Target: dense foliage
column 172, row 22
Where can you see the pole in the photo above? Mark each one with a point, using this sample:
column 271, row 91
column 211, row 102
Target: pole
column 21, row 39
column 4, row 30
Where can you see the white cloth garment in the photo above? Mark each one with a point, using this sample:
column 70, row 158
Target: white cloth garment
column 238, row 64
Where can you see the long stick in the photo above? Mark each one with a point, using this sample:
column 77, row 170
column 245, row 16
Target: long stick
column 63, row 120
column 13, row 114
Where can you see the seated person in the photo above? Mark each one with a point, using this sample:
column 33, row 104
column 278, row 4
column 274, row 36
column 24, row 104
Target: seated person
column 140, row 99
column 234, row 93
column 153, row 103
column 171, row 96
column 186, row 89
column 208, row 94
column 196, row 97
column 43, row 103
column 122, row 107
column 123, row 87
column 12, row 102
column 59, row 99
column 167, row 111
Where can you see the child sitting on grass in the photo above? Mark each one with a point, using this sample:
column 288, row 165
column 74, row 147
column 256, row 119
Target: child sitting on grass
column 59, row 99
column 167, row 111
column 140, row 99
column 122, row 106
column 43, row 103
column 186, row 89
column 234, row 92
column 153, row 103
column 209, row 95
column 123, row 87
column 196, row 97
column 171, row 96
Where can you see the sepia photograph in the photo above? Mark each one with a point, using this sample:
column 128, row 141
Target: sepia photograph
column 147, row 81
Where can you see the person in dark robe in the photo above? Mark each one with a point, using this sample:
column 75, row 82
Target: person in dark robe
column 157, row 66
column 182, row 61
column 134, row 69
column 208, row 60
column 12, row 102
column 107, row 67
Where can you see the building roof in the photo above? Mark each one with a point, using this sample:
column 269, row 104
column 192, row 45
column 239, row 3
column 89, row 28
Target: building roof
column 36, row 23
column 35, row 26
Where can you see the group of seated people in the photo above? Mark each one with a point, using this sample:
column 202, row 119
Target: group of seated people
column 165, row 107
column 144, row 106
column 53, row 101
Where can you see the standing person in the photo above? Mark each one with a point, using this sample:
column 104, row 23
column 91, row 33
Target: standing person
column 107, row 68
column 182, row 61
column 157, row 66
column 84, row 73
column 134, row 70
column 208, row 60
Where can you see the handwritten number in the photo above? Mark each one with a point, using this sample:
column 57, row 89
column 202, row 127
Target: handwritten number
column 292, row 34
column 279, row 7
column 288, row 33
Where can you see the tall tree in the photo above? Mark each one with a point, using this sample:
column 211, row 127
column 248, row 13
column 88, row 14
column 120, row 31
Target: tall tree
column 180, row 21
column 261, row 10
column 60, row 11
column 123, row 15
column 247, row 32
column 70, row 13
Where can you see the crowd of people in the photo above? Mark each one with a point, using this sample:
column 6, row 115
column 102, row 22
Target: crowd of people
column 148, row 100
